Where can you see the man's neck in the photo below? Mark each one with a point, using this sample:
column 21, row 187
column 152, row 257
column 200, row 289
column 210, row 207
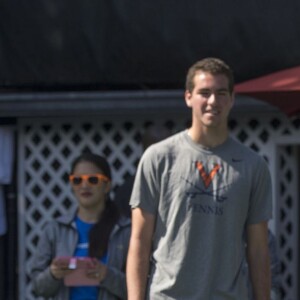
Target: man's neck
column 209, row 138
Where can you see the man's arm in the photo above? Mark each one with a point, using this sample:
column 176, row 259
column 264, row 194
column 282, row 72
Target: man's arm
column 139, row 253
column 258, row 260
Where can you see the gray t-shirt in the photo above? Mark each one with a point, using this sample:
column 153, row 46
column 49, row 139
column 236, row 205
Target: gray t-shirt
column 202, row 199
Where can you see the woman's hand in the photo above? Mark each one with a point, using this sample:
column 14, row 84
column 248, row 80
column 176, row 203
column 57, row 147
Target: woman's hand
column 97, row 270
column 59, row 268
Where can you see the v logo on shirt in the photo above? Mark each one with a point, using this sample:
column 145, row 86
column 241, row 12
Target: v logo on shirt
column 207, row 177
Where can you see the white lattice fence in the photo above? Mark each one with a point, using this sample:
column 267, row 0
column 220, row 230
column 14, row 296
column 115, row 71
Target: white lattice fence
column 47, row 149
column 48, row 146
column 288, row 218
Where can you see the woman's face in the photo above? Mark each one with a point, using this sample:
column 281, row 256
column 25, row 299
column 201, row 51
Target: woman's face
column 89, row 190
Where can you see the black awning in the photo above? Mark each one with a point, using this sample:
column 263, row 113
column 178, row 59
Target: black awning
column 133, row 44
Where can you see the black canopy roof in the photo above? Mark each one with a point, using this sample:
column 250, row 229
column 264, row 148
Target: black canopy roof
column 131, row 44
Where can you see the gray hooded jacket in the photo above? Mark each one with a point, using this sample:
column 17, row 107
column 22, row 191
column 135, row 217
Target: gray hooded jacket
column 60, row 238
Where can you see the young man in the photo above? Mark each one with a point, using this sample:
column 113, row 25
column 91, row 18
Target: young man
column 199, row 197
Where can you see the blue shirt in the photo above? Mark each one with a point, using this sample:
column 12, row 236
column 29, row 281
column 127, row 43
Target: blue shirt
column 82, row 250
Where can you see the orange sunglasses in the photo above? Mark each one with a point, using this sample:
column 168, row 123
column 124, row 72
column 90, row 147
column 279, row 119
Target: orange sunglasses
column 91, row 179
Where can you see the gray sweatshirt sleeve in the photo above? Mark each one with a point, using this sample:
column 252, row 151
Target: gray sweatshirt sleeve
column 43, row 283
column 115, row 280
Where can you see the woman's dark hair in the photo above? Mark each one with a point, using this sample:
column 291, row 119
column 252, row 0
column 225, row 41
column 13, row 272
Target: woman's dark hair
column 100, row 232
column 99, row 161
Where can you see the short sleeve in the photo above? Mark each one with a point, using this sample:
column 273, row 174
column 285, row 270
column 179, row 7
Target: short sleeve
column 260, row 208
column 145, row 189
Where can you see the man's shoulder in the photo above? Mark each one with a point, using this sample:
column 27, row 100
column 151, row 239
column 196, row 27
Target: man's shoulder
column 167, row 144
column 245, row 152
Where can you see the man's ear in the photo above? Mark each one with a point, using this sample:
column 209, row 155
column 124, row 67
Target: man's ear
column 188, row 97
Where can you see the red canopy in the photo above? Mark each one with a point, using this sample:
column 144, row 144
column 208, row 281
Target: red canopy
column 281, row 89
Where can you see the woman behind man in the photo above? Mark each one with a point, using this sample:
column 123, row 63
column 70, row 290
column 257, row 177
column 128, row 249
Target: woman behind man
column 94, row 230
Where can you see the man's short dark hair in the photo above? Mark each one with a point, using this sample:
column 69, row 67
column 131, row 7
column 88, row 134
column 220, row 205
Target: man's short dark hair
column 212, row 65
